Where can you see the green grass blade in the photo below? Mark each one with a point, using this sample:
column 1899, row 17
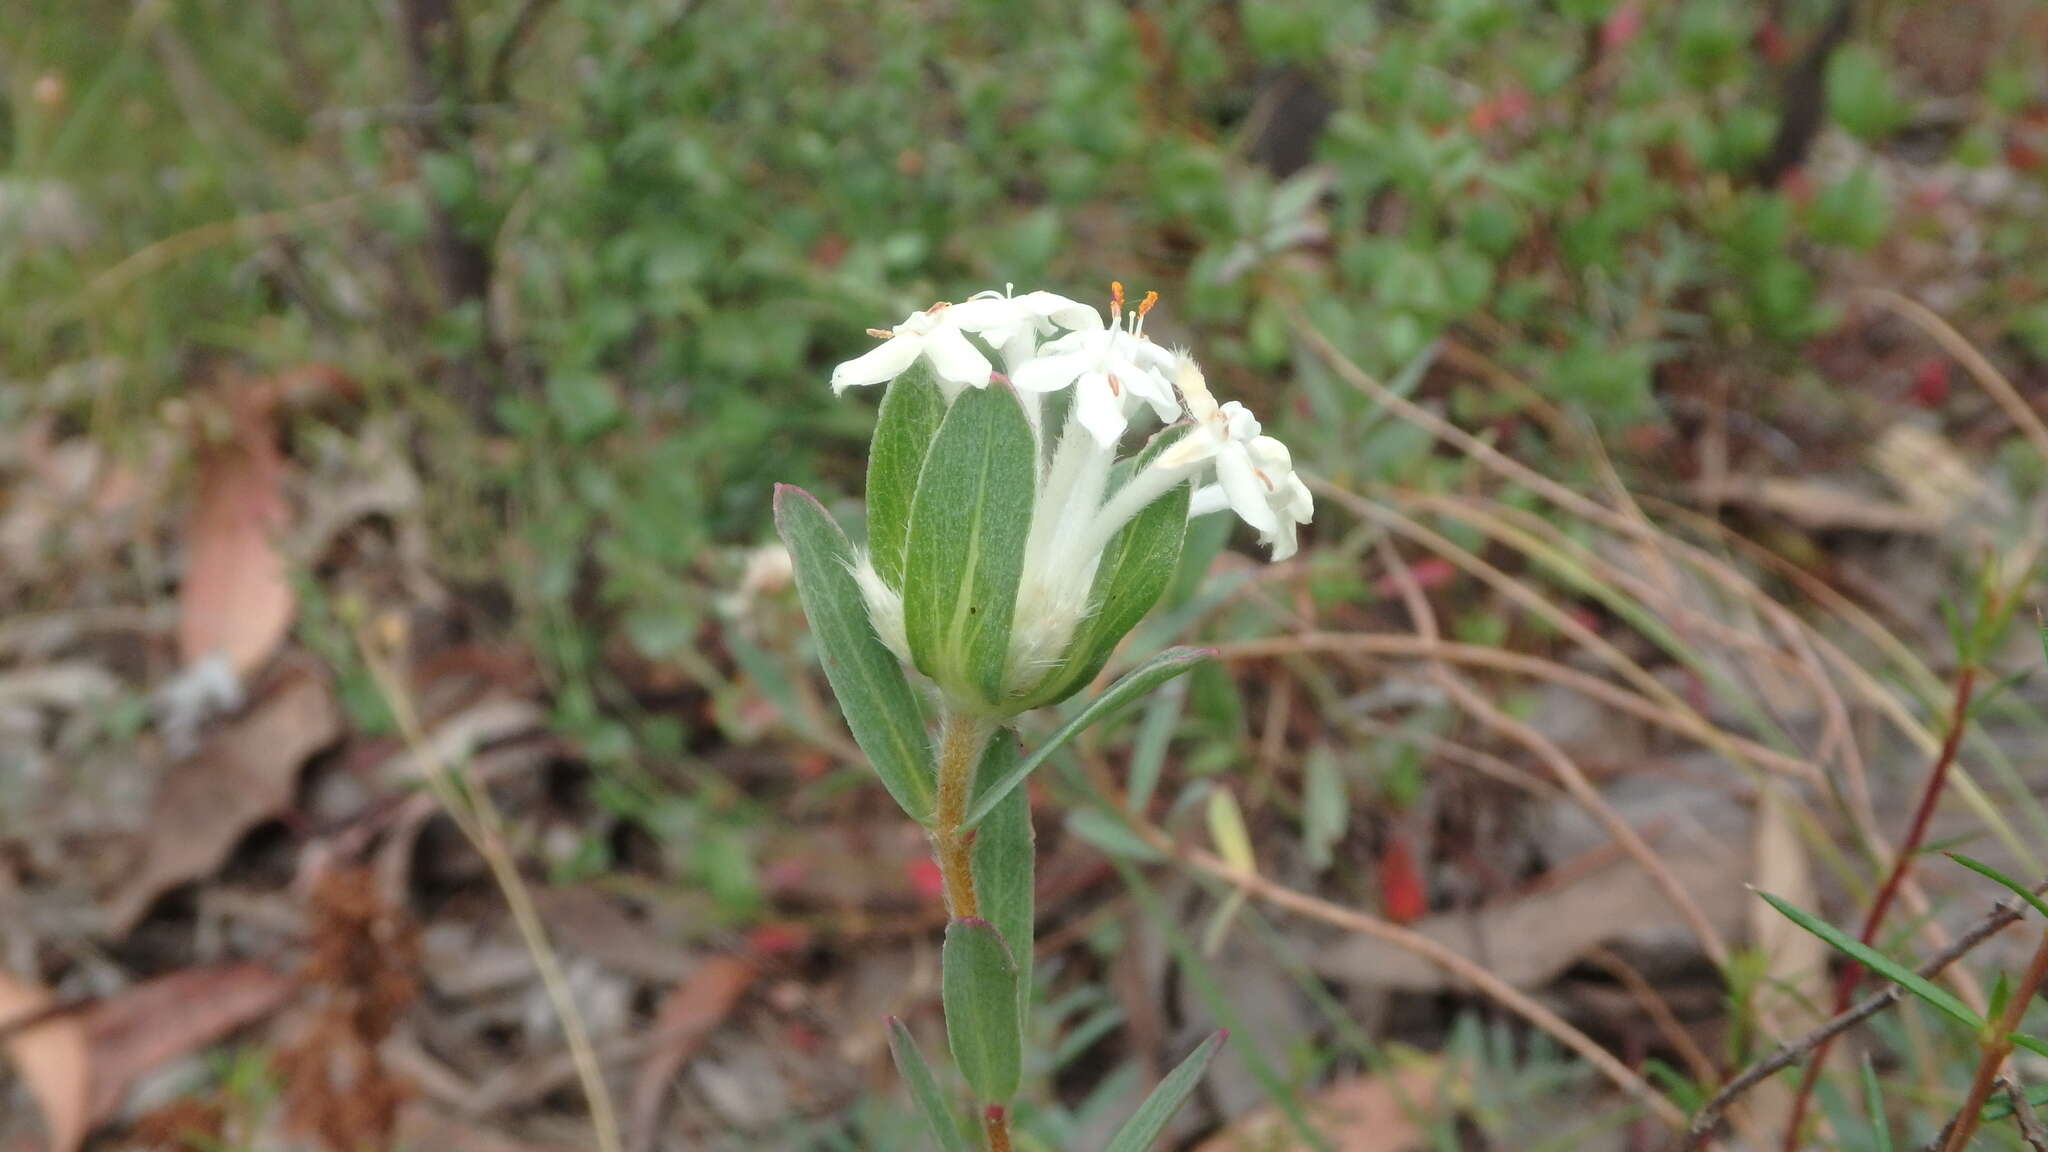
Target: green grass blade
column 2015, row 887
column 924, row 1089
column 1937, row 998
column 1150, row 1119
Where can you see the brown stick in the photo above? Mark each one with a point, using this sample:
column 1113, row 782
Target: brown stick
column 1902, row 863
column 1792, row 1051
column 1997, row 1047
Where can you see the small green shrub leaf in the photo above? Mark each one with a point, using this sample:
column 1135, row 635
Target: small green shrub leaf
column 1145, row 1125
column 865, row 676
column 978, row 985
column 911, row 412
column 924, row 1090
column 1004, row 853
column 1936, row 997
column 965, row 551
column 1114, row 699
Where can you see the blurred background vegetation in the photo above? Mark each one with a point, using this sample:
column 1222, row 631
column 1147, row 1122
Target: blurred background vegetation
column 593, row 260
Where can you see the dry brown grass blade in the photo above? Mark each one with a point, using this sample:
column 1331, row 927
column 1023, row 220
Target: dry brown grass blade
column 1979, row 367
column 1519, row 663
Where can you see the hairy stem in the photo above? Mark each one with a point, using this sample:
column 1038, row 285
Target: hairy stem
column 996, row 1123
column 1902, row 864
column 1997, row 1047
column 960, row 742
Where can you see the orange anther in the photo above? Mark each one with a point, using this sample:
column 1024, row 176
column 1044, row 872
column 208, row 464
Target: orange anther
column 1116, row 293
column 1146, row 304
column 1115, row 389
column 881, row 333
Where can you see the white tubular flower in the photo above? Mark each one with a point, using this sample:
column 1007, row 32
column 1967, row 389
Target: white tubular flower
column 1115, row 371
column 1254, row 473
column 1015, row 324
column 932, row 334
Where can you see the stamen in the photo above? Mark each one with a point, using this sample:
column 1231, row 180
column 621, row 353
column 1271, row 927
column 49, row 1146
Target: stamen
column 1146, row 304
column 1116, row 301
column 1267, row 480
column 1115, row 389
column 939, row 307
column 881, row 333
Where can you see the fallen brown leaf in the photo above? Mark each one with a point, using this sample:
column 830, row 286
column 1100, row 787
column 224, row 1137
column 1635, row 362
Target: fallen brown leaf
column 688, row 1013
column 1366, row 1114
column 53, row 1060
column 144, row 1027
column 236, row 597
column 244, row 775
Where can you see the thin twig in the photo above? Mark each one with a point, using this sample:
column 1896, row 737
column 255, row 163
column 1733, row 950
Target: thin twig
column 1902, row 864
column 467, row 801
column 1785, row 1055
column 2023, row 1115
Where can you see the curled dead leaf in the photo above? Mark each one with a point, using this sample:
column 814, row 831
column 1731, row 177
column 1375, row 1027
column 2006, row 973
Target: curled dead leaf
column 236, row 598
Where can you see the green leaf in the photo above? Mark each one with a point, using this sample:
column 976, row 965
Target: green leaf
column 1134, row 684
column 1150, row 1119
column 1137, row 565
column 2014, row 886
column 1873, row 1102
column 1003, row 856
column 1112, row 835
column 965, row 552
column 978, row 985
column 911, row 412
column 2001, row 991
column 1325, row 806
column 1938, row 998
column 865, row 676
column 924, row 1090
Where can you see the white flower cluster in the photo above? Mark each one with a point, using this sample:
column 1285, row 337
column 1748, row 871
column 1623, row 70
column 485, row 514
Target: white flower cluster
column 1048, row 343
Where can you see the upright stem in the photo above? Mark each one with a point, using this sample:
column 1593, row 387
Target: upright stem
column 1997, row 1047
column 996, row 1123
column 1902, row 864
column 960, row 742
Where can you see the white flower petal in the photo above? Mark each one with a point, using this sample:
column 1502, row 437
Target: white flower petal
column 1282, row 539
column 1069, row 314
column 1244, row 489
column 1301, row 503
column 987, row 313
column 879, row 364
column 955, row 359
column 1207, row 499
column 1051, row 373
column 1099, row 410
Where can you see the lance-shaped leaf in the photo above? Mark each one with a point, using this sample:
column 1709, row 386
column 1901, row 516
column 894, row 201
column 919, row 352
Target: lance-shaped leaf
column 1145, row 1125
column 1936, row 997
column 866, row 677
column 1137, row 565
column 911, row 412
column 965, row 550
column 1004, row 853
column 978, row 985
column 1114, row 699
column 924, row 1089
column 2018, row 889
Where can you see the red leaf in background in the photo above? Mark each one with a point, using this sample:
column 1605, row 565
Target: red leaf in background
column 1797, row 186
column 1771, row 41
column 926, row 878
column 1509, row 108
column 1930, row 383
column 1621, row 26
column 1430, row 572
column 1401, row 894
column 776, row 938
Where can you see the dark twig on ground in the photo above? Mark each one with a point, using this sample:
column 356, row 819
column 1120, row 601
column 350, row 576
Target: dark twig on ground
column 1792, row 1051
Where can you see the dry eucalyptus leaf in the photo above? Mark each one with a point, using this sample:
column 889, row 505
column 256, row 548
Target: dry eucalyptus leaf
column 246, row 774
column 236, row 598
column 53, row 1059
